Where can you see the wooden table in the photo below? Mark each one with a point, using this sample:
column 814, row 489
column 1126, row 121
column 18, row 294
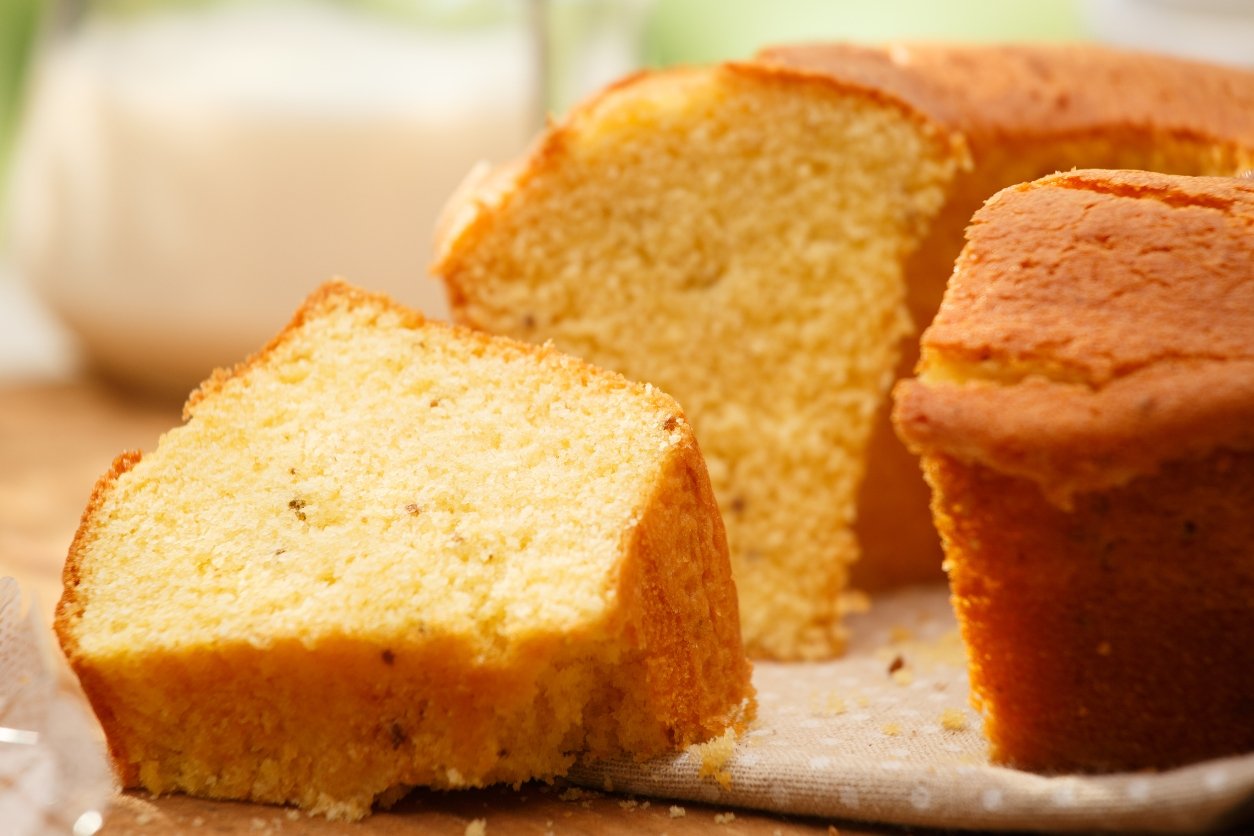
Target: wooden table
column 56, row 440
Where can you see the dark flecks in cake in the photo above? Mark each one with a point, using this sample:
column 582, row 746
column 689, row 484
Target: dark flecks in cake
column 278, row 552
column 1190, row 529
column 671, row 423
column 737, row 505
column 291, row 471
column 413, row 509
column 298, row 505
column 399, row 738
column 388, row 656
column 529, row 321
column 897, row 664
column 434, row 403
column 502, row 753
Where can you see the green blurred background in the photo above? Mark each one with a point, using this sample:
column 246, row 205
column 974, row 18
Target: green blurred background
column 709, row 30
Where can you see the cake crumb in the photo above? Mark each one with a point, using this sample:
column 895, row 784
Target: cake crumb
column 953, row 719
column 629, row 804
column 714, row 755
column 677, row 812
column 854, row 601
column 199, row 821
column 891, row 729
column 724, row 818
column 477, row 827
column 575, row 794
column 834, row 706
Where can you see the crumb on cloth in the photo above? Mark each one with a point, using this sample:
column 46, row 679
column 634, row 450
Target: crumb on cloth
column 714, row 756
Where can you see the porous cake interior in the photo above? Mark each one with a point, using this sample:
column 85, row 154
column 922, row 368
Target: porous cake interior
column 387, row 554
column 731, row 240
column 444, row 486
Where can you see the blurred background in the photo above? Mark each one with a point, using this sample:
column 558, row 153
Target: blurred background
column 176, row 175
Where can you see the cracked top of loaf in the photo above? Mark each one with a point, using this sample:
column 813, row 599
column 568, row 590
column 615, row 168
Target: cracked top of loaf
column 1098, row 324
column 994, row 93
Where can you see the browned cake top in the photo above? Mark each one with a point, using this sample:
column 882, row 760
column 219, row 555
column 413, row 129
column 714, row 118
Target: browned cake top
column 993, row 93
column 1098, row 323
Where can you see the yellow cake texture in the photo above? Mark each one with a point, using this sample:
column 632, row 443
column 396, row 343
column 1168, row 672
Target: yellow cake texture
column 764, row 241
column 1085, row 414
column 385, row 552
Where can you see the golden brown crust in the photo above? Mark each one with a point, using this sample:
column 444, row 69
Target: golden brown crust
column 69, row 610
column 679, row 545
column 1015, row 93
column 1085, row 413
column 1100, row 274
column 1098, row 324
column 1113, row 636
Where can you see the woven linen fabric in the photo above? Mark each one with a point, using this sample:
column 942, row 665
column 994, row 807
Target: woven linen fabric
column 886, row 734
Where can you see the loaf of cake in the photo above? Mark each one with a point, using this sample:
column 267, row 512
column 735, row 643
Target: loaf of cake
column 1085, row 414
column 385, row 552
column 764, row 241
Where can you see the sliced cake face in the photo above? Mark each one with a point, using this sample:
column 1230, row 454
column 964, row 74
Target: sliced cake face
column 1085, row 414
column 728, row 235
column 435, row 556
column 297, row 496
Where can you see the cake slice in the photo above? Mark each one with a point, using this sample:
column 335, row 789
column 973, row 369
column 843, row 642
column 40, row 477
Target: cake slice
column 1085, row 413
column 385, row 552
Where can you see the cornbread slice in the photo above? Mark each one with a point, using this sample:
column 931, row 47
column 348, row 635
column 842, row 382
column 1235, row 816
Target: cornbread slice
column 1085, row 413
column 385, row 552
column 765, row 240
